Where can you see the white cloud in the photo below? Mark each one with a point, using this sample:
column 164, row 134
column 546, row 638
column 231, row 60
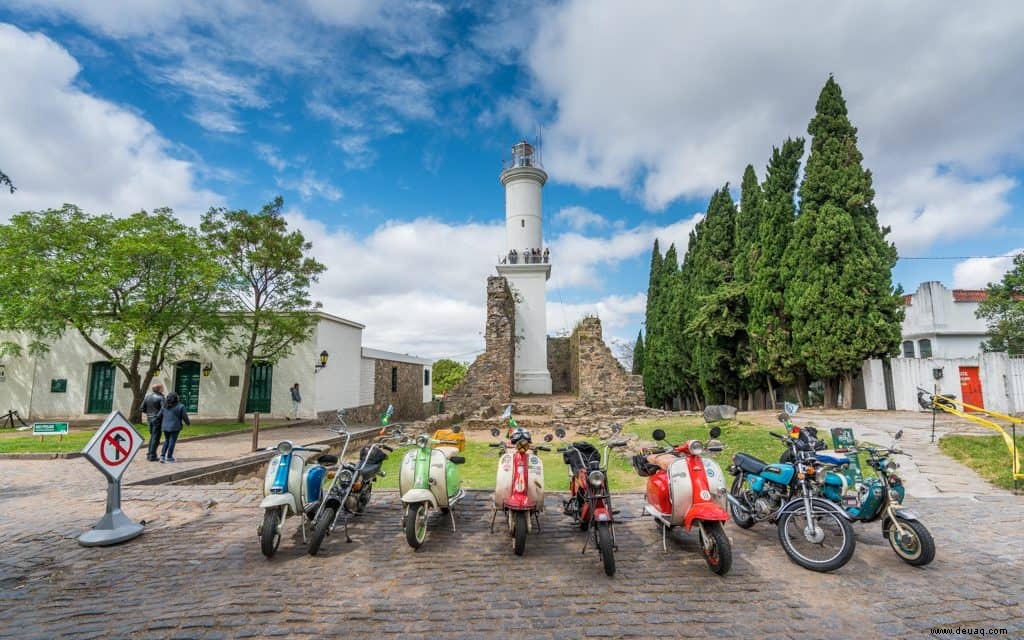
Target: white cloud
column 269, row 154
column 215, row 120
column 616, row 312
column 310, row 185
column 60, row 144
column 579, row 218
column 358, row 153
column 673, row 99
column 978, row 273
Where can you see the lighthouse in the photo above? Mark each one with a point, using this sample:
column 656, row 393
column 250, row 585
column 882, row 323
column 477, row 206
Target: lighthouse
column 526, row 267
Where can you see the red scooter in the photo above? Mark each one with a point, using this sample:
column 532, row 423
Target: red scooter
column 519, row 490
column 684, row 488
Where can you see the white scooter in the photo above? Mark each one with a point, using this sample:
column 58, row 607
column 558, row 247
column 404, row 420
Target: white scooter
column 293, row 485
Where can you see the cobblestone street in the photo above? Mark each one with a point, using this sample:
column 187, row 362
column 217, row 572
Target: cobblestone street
column 197, row 572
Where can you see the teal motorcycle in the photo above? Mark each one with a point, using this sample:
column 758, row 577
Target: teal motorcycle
column 429, row 480
column 878, row 498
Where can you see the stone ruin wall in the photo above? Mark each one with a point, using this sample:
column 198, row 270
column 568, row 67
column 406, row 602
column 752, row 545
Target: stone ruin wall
column 490, row 379
column 598, row 377
column 560, row 365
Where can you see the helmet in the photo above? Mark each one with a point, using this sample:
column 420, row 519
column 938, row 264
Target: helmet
column 518, row 435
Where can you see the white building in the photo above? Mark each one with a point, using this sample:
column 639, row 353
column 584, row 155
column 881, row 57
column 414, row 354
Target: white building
column 526, row 268
column 73, row 381
column 940, row 323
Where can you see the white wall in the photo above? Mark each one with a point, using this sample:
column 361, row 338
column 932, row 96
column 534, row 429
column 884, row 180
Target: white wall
column 428, row 388
column 952, row 327
column 523, row 208
column 529, row 287
column 367, row 368
column 337, row 384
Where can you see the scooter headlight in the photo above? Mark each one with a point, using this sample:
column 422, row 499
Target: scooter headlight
column 820, row 475
column 345, row 476
column 596, row 478
column 284, row 447
column 892, row 466
column 422, row 441
column 696, row 447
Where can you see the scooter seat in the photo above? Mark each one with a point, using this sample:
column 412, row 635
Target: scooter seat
column 748, row 463
column 662, row 460
column 317, row 450
column 370, row 470
column 448, row 451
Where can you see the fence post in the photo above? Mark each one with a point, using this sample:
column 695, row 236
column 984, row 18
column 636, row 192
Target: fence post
column 255, row 432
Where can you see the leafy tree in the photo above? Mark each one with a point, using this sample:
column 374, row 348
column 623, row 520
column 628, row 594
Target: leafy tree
column 748, row 215
column 269, row 279
column 447, row 374
column 653, row 322
column 135, row 289
column 767, row 324
column 1003, row 311
column 638, row 354
column 839, row 292
column 4, row 180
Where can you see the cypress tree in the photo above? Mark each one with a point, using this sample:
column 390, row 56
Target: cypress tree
column 653, row 322
column 748, row 215
column 682, row 313
column 638, row 354
column 767, row 323
column 668, row 354
column 839, row 292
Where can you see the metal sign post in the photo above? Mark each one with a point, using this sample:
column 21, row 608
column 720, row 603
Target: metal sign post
column 111, row 450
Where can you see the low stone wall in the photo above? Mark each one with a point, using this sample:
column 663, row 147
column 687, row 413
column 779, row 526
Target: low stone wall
column 489, row 380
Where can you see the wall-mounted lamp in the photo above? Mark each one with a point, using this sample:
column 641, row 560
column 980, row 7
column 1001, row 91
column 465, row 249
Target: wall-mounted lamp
column 207, row 368
column 323, row 362
column 156, row 372
column 3, row 373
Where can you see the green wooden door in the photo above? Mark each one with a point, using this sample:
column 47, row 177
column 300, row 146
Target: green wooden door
column 101, row 388
column 259, row 388
column 186, row 385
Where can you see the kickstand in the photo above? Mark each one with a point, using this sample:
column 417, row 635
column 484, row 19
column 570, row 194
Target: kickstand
column 585, row 543
column 303, row 527
column 451, row 514
column 347, row 537
column 664, row 531
column 494, row 514
column 536, row 520
column 615, row 542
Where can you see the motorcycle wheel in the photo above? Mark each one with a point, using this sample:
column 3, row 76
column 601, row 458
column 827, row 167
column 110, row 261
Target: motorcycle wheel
column 742, row 520
column 584, row 522
column 519, row 532
column 320, row 528
column 604, row 544
column 416, row 525
column 270, row 535
column 814, row 555
column 716, row 547
column 917, row 549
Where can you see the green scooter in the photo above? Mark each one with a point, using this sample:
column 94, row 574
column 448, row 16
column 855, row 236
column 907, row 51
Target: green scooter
column 429, row 479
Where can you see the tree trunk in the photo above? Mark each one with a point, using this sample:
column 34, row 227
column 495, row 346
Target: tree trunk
column 847, row 390
column 770, row 401
column 802, row 396
column 246, row 381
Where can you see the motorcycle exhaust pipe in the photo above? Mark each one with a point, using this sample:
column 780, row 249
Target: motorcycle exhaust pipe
column 736, row 503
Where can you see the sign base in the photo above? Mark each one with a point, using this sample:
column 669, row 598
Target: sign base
column 113, row 527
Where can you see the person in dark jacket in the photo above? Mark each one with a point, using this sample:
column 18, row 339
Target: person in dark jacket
column 171, row 418
column 151, row 406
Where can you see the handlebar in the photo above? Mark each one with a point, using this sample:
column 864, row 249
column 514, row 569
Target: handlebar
column 495, row 444
column 562, row 449
column 778, row 435
column 541, row 447
column 387, row 448
column 616, row 444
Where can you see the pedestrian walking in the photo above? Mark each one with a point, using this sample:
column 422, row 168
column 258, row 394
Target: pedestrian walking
column 296, row 399
column 171, row 418
column 151, row 406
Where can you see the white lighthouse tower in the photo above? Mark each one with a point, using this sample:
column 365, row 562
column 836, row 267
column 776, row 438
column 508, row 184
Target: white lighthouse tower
column 526, row 267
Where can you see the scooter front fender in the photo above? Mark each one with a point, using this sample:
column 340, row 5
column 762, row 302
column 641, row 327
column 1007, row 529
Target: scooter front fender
column 816, row 503
column 413, row 496
column 279, row 500
column 704, row 511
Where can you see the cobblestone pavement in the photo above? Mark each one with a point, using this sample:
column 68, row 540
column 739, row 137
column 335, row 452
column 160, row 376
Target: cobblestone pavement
column 197, row 572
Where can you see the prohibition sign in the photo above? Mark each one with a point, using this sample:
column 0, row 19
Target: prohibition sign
column 119, row 440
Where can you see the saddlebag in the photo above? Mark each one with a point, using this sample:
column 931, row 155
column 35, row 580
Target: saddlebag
column 643, row 467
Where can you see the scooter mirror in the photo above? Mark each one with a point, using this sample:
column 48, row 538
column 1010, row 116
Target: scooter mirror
column 560, row 432
column 659, row 434
column 457, row 429
column 783, row 416
column 790, row 408
column 715, row 432
column 899, row 434
column 548, row 437
column 495, row 432
column 616, row 428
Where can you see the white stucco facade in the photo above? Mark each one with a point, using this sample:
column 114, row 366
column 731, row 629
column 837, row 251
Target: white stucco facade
column 32, row 384
column 943, row 322
column 527, row 277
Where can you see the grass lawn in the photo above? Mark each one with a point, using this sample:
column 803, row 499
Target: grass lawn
column 13, row 441
column 987, row 455
column 737, row 436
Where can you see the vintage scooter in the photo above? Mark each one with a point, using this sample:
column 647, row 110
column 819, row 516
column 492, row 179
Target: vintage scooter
column 878, row 498
column 684, row 488
column 519, row 488
column 590, row 502
column 429, row 479
column 293, row 486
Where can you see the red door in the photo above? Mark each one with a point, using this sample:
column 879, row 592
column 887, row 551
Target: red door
column 970, row 386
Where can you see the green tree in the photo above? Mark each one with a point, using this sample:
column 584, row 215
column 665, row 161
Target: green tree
column 4, row 180
column 135, row 289
column 447, row 374
column 1003, row 311
column 269, row 278
column 839, row 292
column 638, row 354
column 748, row 215
column 767, row 324
column 653, row 321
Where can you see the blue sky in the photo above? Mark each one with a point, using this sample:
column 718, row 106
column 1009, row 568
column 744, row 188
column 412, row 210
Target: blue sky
column 384, row 125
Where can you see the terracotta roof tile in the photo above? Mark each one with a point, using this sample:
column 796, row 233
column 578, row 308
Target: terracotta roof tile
column 969, row 295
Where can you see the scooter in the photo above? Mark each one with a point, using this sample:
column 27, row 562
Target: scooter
column 590, row 502
column 683, row 488
column 815, row 533
column 429, row 479
column 351, row 485
column 293, row 486
column 519, row 488
column 878, row 498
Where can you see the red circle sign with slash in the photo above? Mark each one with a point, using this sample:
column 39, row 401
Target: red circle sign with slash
column 119, row 440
